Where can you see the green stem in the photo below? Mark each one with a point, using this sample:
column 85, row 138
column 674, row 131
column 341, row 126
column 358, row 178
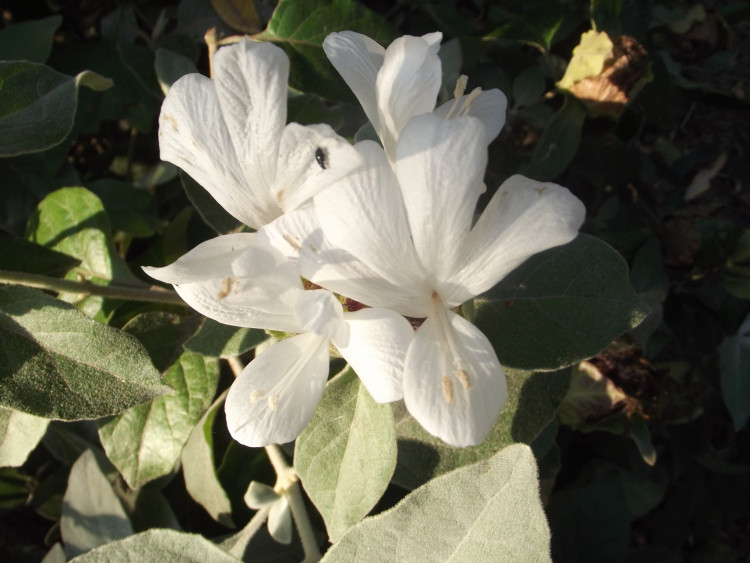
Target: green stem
column 69, row 286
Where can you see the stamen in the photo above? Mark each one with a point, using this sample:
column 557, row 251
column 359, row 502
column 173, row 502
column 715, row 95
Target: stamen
column 468, row 101
column 463, row 377
column 227, row 285
column 457, row 93
column 293, row 242
column 256, row 395
column 273, row 402
column 447, row 389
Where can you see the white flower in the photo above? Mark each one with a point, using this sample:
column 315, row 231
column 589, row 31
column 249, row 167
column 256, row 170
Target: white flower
column 400, row 82
column 403, row 239
column 239, row 280
column 230, row 135
column 258, row 496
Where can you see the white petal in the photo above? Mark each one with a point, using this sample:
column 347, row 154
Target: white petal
column 276, row 395
column 357, row 58
column 407, row 85
column 280, row 521
column 235, row 280
column 259, row 495
column 440, row 165
column 320, row 312
column 523, row 218
column 194, row 136
column 489, row 107
column 206, row 261
column 433, row 40
column 310, row 158
column 251, row 83
column 378, row 341
column 364, row 215
column 453, row 383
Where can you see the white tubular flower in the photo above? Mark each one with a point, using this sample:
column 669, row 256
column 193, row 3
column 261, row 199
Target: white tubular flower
column 239, row 280
column 230, row 134
column 404, row 240
column 400, row 82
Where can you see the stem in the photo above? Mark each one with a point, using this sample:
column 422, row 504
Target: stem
column 69, row 286
column 247, row 533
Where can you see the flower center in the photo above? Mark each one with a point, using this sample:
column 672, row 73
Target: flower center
column 462, row 105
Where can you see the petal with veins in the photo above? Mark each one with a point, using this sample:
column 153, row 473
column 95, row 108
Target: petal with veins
column 523, row 218
column 453, row 383
column 378, row 341
column 194, row 136
column 489, row 107
column 276, row 395
column 440, row 165
column 320, row 312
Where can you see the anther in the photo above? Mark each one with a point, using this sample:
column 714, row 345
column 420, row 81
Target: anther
column 256, row 395
column 293, row 242
column 461, row 83
column 227, row 285
column 273, row 402
column 463, row 377
column 473, row 95
column 447, row 389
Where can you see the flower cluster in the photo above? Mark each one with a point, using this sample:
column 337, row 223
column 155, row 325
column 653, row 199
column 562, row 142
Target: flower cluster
column 387, row 226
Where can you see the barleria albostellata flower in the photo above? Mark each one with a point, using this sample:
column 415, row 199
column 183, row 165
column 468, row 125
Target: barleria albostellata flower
column 229, row 133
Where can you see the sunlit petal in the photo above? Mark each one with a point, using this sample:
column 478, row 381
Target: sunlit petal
column 489, row 107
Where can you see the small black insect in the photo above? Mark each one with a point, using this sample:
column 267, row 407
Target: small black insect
column 320, row 158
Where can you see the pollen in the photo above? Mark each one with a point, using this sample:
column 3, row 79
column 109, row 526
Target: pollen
column 447, row 389
column 463, row 377
column 256, row 395
column 227, row 285
column 292, row 241
column 273, row 402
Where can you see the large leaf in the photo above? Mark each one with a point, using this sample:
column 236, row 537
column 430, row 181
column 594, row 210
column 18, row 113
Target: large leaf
column 489, row 511
column 346, row 455
column 735, row 366
column 536, row 27
column 38, row 105
column 560, row 306
column 532, row 402
column 199, row 469
column 145, row 442
column 129, row 209
column 162, row 334
column 23, row 256
column 29, row 40
column 300, row 26
column 57, row 363
column 19, row 434
column 224, row 341
column 26, row 181
column 92, row 515
column 159, row 545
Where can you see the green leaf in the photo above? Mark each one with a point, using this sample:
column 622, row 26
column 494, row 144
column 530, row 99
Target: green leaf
column 130, row 210
column 346, row 455
column 300, row 26
column 56, row 554
column 170, row 66
column 92, row 515
column 537, row 27
column 19, row 435
column 145, row 442
column 238, row 14
column 199, row 469
column 26, row 181
column 558, row 143
column 159, row 545
column 589, row 58
column 29, row 40
column 528, row 86
column 162, row 334
column 57, row 363
column 735, row 365
column 223, row 341
column 37, row 107
column 73, row 221
column 560, row 306
column 489, row 511
column 533, row 399
column 605, row 15
column 23, row 256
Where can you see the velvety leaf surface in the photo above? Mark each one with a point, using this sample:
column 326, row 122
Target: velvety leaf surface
column 159, row 545
column 300, row 26
column 346, row 455
column 29, row 40
column 560, row 306
column 19, row 435
column 533, row 399
column 489, row 511
column 23, row 256
column 162, row 334
column 57, row 363
column 145, row 442
column 92, row 515
column 199, row 469
column 223, row 341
